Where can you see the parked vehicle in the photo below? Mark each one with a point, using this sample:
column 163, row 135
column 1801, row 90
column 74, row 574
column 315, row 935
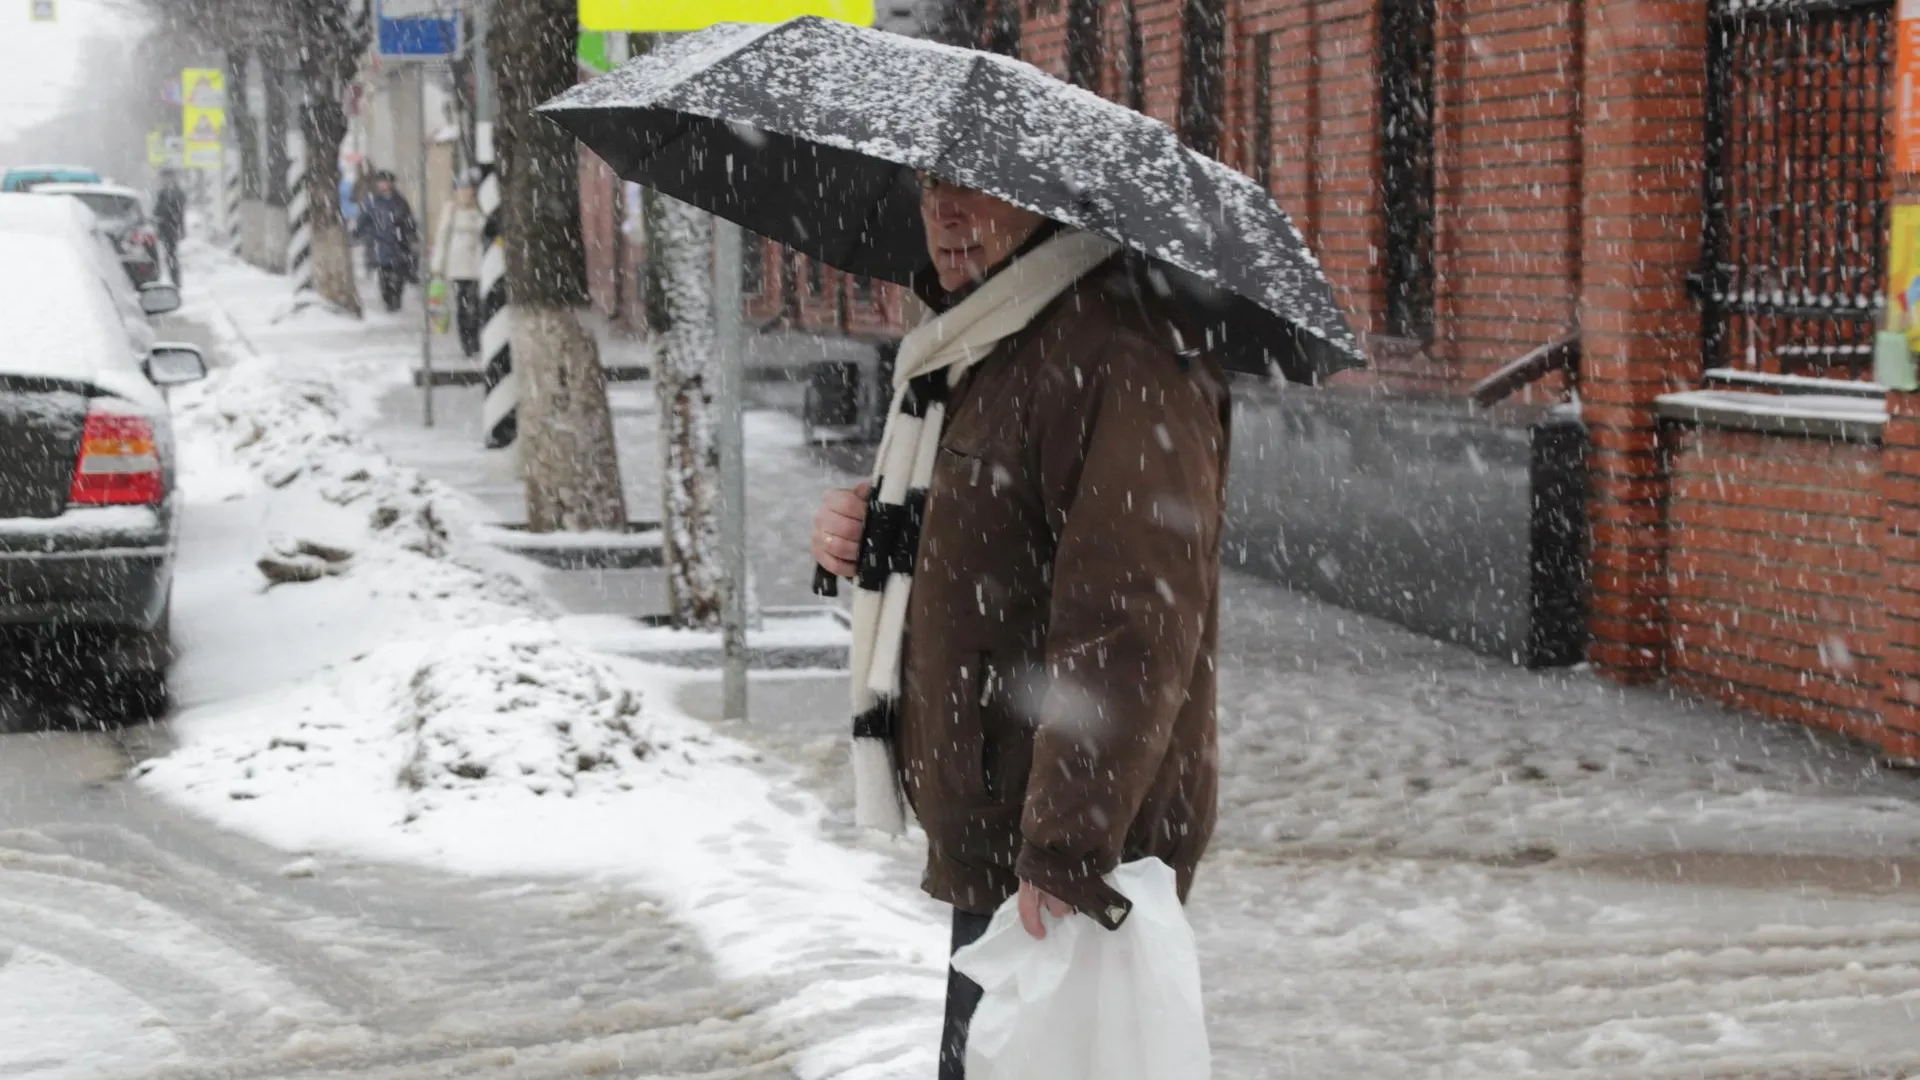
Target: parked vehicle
column 88, row 523
column 122, row 215
column 71, row 221
column 21, row 178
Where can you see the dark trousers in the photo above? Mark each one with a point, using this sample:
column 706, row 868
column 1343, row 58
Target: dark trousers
column 393, row 285
column 170, row 251
column 963, row 996
column 466, row 315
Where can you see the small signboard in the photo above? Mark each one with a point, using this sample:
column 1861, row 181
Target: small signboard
column 676, row 16
column 418, row 30
column 165, row 150
column 42, row 11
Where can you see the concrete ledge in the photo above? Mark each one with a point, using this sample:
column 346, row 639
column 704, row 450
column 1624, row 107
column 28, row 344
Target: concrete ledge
column 1850, row 418
column 787, row 639
column 636, row 549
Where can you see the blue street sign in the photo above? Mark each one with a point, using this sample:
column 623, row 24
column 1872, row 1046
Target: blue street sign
column 417, row 30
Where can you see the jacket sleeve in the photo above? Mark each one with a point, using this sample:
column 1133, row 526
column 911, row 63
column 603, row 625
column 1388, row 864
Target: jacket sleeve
column 1129, row 448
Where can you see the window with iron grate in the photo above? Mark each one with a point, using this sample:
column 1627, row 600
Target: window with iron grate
column 1798, row 188
column 1406, row 166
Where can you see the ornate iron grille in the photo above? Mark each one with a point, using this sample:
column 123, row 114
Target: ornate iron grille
column 1797, row 185
column 1407, row 128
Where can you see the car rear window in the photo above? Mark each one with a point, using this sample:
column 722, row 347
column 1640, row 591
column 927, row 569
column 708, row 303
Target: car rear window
column 110, row 207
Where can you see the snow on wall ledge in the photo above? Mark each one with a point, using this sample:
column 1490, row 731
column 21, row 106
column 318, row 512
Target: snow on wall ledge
column 1776, row 589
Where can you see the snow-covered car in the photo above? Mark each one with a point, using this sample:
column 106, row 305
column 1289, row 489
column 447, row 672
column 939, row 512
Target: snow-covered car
column 70, row 220
column 122, row 216
column 87, row 505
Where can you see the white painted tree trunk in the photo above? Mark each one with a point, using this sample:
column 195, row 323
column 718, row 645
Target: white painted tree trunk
column 679, row 252
column 566, row 428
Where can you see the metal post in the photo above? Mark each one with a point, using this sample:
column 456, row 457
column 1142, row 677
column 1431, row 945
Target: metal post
column 425, row 227
column 731, row 442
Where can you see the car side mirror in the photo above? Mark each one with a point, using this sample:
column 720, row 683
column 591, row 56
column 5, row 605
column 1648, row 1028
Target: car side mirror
column 171, row 364
column 159, row 298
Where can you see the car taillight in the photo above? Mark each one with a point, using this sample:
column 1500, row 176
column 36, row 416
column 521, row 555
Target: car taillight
column 141, row 238
column 118, row 464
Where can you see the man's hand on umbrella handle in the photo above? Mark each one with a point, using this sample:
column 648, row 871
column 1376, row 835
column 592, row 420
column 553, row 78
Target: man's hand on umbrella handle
column 836, row 529
column 1032, row 902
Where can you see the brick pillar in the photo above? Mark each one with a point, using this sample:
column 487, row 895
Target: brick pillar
column 1900, row 570
column 1643, row 109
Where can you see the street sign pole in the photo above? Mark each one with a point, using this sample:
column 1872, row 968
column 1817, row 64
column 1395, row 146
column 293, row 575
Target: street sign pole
column 730, row 436
column 424, row 230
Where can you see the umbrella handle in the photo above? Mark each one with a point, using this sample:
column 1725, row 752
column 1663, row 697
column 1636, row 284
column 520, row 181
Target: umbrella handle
column 824, row 583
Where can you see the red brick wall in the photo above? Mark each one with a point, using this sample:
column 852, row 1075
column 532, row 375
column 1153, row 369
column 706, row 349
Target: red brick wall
column 1507, row 189
column 1643, row 98
column 1775, row 576
column 1899, row 540
column 1325, row 137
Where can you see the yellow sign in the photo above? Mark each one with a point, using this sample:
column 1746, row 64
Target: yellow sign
column 673, row 16
column 41, row 10
column 203, row 115
column 203, row 88
column 1903, row 273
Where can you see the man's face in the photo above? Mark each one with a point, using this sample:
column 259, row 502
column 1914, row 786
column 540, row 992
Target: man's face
column 968, row 232
column 384, row 187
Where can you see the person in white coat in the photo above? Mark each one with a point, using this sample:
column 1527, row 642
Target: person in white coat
column 456, row 257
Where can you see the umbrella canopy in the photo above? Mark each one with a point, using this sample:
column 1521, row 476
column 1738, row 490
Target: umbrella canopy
column 810, row 132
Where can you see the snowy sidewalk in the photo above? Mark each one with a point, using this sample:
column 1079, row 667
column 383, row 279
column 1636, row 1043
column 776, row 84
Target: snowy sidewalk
column 416, row 702
column 1427, row 864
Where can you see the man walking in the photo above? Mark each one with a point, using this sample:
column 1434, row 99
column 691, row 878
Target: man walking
column 1037, row 570
column 387, row 224
column 170, row 221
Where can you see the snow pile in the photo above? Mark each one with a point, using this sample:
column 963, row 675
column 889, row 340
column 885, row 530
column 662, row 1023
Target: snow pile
column 500, row 711
column 287, row 428
column 512, row 706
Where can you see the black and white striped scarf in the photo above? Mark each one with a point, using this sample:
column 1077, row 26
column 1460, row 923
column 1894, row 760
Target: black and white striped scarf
column 931, row 361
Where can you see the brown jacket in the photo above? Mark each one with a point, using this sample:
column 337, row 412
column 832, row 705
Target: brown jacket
column 1057, row 715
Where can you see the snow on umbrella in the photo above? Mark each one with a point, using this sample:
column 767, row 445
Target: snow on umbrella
column 810, row 132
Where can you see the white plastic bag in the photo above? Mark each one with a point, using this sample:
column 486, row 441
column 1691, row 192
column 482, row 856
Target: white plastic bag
column 1087, row 1003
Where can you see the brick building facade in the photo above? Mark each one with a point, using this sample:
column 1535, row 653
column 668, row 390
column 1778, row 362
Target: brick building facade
column 1698, row 191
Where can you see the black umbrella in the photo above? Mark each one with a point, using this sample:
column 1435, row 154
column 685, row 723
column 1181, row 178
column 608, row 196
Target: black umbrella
column 810, row 132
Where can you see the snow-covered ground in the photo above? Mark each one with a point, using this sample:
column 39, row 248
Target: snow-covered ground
column 1428, row 865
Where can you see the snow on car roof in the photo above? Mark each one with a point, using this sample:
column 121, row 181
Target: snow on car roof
column 76, row 188
column 60, row 321
column 22, row 212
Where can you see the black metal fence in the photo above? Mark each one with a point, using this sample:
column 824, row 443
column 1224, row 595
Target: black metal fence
column 1407, row 167
column 1797, row 186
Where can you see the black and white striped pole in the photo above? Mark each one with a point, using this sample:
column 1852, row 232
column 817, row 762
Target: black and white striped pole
column 500, row 411
column 230, row 201
column 299, row 221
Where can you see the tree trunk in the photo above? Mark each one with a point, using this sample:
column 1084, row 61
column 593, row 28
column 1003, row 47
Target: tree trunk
column 273, row 78
column 565, row 427
column 246, row 130
column 329, row 55
column 679, row 243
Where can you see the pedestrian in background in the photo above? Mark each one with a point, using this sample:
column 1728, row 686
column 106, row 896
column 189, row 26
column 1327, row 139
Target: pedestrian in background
column 170, row 221
column 456, row 257
column 387, row 224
